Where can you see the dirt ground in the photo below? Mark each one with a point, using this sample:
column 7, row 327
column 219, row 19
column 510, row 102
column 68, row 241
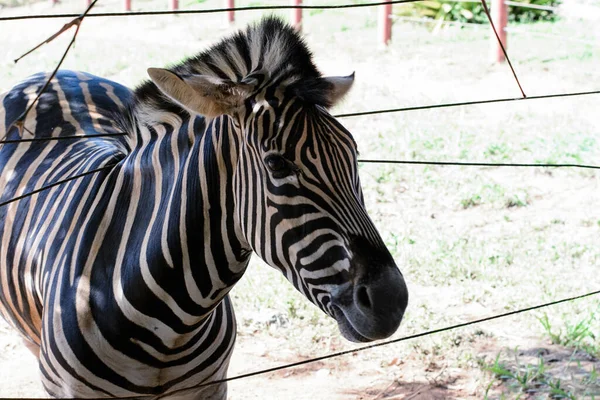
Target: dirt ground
column 339, row 378
column 471, row 243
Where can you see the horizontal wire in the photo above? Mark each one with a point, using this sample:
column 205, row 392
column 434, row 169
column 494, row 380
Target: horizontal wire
column 554, row 36
column 62, row 138
column 404, row 338
column 55, row 184
column 208, row 11
column 394, row 110
column 480, row 164
column 339, row 6
column 466, row 103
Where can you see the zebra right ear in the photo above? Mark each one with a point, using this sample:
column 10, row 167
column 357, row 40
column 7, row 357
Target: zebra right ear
column 201, row 94
column 340, row 86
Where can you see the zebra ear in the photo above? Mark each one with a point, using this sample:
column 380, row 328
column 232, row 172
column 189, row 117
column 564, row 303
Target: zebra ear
column 340, row 86
column 201, row 94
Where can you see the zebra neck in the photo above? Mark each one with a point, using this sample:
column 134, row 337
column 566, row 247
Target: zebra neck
column 177, row 187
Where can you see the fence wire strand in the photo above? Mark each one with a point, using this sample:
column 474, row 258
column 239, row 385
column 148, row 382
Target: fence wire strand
column 71, row 137
column 211, row 10
column 466, row 103
column 479, row 164
column 86, row 14
column 393, row 341
column 365, row 161
column 50, row 186
column 387, row 111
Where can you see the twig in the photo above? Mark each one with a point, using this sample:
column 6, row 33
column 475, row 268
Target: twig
column 76, row 21
column 19, row 122
column 381, row 393
column 415, row 394
column 65, row 27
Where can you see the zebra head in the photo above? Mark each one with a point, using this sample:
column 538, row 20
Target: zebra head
column 298, row 199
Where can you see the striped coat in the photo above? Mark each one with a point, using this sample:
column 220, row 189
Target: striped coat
column 119, row 275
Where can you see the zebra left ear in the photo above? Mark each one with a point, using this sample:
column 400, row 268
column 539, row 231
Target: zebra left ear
column 340, row 86
column 201, row 94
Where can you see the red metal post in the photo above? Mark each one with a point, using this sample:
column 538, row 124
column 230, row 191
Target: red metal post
column 127, row 4
column 385, row 23
column 231, row 13
column 174, row 4
column 499, row 14
column 297, row 15
column 88, row 2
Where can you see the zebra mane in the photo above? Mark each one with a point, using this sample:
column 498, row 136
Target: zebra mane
column 271, row 48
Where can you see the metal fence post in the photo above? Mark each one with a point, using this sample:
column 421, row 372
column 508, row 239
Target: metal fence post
column 385, row 23
column 499, row 14
column 297, row 15
column 230, row 15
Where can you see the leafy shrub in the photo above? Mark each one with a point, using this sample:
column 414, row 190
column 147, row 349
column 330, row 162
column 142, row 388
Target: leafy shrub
column 472, row 11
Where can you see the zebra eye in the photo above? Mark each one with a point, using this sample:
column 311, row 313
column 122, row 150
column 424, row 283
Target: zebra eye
column 278, row 165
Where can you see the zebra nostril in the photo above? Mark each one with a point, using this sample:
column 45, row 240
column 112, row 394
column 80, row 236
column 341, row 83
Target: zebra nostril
column 362, row 297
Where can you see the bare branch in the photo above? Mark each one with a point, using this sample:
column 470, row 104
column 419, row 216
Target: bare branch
column 65, row 27
column 20, row 121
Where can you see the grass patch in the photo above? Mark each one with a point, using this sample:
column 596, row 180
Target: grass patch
column 498, row 152
column 480, row 240
column 581, row 334
column 494, row 195
column 518, row 379
column 527, row 378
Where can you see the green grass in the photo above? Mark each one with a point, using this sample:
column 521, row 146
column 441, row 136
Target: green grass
column 526, row 378
column 471, row 242
column 523, row 380
column 573, row 375
column 582, row 334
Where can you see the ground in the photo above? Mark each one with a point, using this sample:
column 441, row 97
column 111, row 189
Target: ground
column 471, row 242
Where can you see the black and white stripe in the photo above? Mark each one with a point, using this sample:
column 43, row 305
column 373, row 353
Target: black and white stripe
column 120, row 278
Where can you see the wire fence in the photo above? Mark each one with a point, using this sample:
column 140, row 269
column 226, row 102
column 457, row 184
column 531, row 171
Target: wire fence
column 78, row 19
column 210, row 10
column 404, row 338
column 253, row 8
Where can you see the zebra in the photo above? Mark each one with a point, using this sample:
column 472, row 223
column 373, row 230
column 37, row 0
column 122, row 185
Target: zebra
column 118, row 278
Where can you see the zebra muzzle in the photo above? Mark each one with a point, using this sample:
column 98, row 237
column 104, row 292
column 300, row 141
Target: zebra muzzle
column 371, row 308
